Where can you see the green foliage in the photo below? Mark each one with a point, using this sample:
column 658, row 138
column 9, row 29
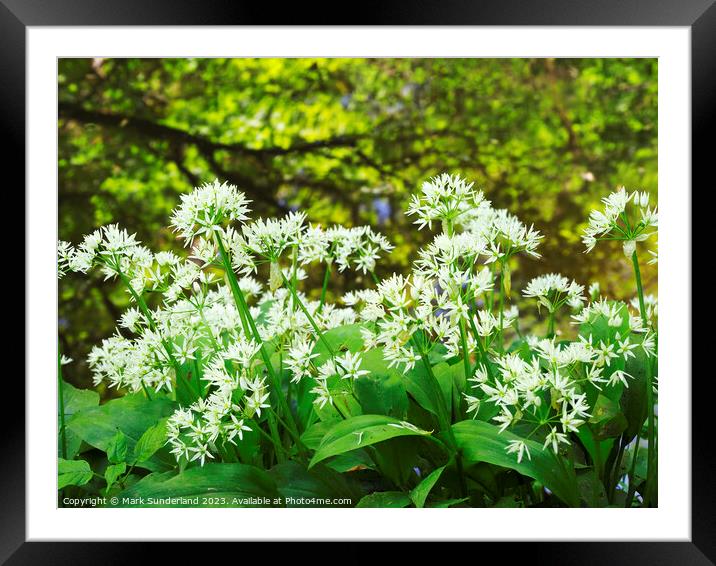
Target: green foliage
column 72, row 472
column 214, row 485
column 361, row 431
column 346, row 140
column 483, row 442
column 389, row 411
column 118, row 425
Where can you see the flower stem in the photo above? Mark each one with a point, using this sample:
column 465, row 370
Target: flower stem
column 500, row 343
column 251, row 330
column 310, row 318
column 61, row 408
column 550, row 325
column 326, row 277
column 465, row 353
column 651, row 483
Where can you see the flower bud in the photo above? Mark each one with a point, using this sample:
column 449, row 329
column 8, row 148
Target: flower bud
column 629, row 248
column 275, row 277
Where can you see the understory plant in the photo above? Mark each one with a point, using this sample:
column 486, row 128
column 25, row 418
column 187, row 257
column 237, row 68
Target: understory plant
column 244, row 387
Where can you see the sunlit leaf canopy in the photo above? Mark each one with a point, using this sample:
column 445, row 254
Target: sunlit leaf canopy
column 347, row 141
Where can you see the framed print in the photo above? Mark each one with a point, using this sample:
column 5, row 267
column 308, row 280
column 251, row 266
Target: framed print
column 423, row 277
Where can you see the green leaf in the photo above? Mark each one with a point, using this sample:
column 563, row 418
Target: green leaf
column 152, row 440
column 449, row 377
column 591, row 490
column 361, row 431
column 315, row 433
column 75, row 400
column 117, row 448
column 301, row 487
column 633, row 401
column 78, row 399
column 483, row 442
column 341, row 338
column 416, row 385
column 607, row 420
column 421, row 492
column 132, row 415
column 384, row 499
column 72, row 472
column 113, row 472
column 382, row 395
column 214, row 485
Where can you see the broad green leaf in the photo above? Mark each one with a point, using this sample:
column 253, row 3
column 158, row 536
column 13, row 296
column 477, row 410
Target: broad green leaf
column 351, row 461
column 587, row 437
column 422, row 490
column 133, row 415
column 607, row 420
column 483, row 442
column 300, row 487
column 152, row 440
column 117, row 448
column 385, row 499
column 214, row 485
column 382, row 394
column 591, row 490
column 341, row 338
column 113, row 472
column 633, row 401
column 315, row 433
column 74, row 400
column 72, row 472
column 77, row 399
column 361, row 431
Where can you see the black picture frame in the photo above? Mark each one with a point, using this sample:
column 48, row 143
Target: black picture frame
column 698, row 15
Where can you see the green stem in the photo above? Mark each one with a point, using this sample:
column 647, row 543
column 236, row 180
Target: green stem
column 650, row 495
column 326, row 277
column 61, row 401
column 500, row 343
column 632, row 479
column 310, row 318
column 443, row 414
column 550, row 325
column 251, row 330
column 465, row 353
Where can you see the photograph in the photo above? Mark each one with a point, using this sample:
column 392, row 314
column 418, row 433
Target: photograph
column 382, row 282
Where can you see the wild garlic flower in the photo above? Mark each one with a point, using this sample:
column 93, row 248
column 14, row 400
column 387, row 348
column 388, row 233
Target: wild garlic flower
column 359, row 246
column 444, row 198
column 65, row 252
column 519, row 447
column 504, row 233
column 269, row 238
column 208, row 207
column 618, row 222
column 299, row 359
column 116, row 252
column 652, row 307
column 553, row 290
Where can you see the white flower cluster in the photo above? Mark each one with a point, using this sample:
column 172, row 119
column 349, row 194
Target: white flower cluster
column 207, row 208
column 444, row 198
column 553, row 290
column 218, row 338
column 617, row 222
column 504, row 232
column 359, row 246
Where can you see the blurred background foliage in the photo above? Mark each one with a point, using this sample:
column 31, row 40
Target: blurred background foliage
column 347, row 141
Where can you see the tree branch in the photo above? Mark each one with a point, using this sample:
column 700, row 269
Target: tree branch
column 156, row 130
